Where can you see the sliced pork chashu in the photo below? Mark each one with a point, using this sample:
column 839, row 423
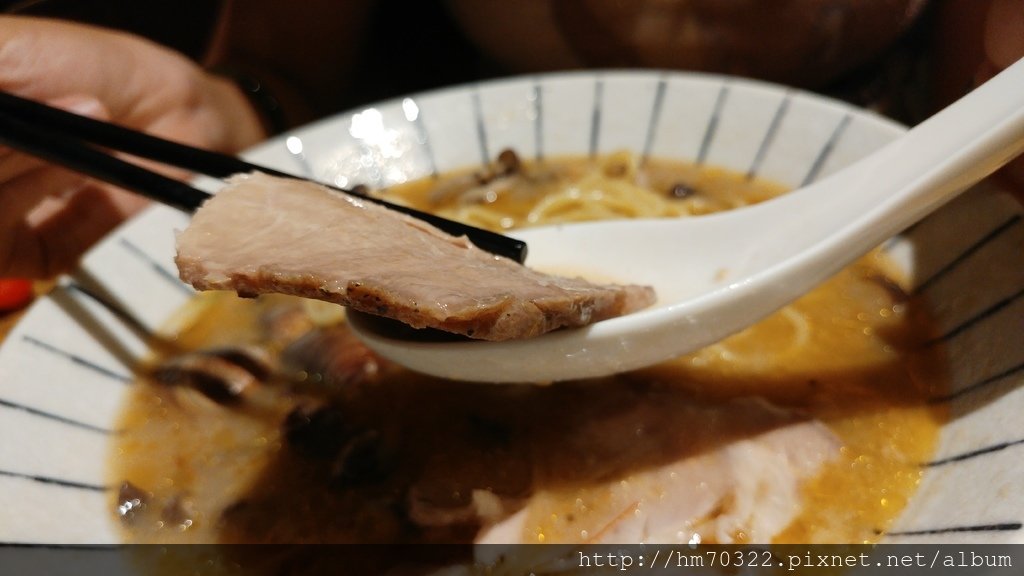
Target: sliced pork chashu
column 731, row 473
column 264, row 234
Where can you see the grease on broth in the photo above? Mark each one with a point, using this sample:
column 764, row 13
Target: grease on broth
column 336, row 445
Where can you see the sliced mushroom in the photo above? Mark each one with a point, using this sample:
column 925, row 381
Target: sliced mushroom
column 482, row 507
column 221, row 374
column 131, row 501
column 331, row 357
column 361, row 460
column 315, row 432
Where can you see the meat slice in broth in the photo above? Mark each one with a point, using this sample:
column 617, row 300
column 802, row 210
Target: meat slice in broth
column 745, row 488
column 264, row 234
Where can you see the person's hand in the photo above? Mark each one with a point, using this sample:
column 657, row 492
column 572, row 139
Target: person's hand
column 48, row 215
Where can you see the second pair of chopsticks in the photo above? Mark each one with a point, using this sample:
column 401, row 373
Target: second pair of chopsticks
column 80, row 143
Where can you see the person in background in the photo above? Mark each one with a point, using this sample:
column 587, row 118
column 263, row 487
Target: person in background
column 263, row 66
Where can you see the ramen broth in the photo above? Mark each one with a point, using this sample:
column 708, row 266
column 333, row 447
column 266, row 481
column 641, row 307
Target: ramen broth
column 319, row 440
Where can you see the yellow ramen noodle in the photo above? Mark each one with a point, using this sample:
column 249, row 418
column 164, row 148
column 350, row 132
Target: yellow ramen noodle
column 266, row 421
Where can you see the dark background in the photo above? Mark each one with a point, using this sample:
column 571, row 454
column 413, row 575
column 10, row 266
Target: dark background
column 416, row 45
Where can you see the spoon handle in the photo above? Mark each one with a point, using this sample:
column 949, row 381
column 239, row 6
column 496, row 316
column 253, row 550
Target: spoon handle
column 844, row 215
column 945, row 154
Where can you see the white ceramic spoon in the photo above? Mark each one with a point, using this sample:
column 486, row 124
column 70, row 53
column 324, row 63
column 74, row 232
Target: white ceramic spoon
column 716, row 274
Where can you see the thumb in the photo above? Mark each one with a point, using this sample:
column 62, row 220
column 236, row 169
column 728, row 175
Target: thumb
column 13, row 164
column 83, row 105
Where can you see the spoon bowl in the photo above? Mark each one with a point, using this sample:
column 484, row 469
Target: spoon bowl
column 716, row 274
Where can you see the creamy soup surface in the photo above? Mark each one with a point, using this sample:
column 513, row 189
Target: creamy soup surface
column 265, row 420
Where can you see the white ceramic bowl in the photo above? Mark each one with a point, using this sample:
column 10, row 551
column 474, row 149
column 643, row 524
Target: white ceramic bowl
column 65, row 368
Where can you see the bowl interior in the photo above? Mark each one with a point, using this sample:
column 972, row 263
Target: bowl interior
column 64, row 370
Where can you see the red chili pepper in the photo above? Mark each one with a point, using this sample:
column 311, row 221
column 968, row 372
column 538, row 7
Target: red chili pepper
column 15, row 293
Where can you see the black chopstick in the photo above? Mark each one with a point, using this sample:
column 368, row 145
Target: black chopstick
column 67, row 139
column 124, row 139
column 79, row 157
